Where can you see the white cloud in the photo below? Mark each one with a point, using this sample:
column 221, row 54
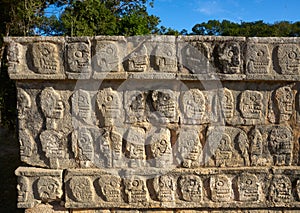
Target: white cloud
column 210, row 7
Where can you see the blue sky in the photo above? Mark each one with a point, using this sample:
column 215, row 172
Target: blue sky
column 179, row 14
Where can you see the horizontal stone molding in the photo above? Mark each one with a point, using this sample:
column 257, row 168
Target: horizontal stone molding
column 162, row 57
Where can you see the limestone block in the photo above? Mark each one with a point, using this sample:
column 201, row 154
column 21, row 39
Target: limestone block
column 46, row 208
column 37, row 185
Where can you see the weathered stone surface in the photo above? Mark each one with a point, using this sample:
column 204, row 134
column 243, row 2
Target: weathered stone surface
column 158, row 123
column 37, row 185
column 46, row 208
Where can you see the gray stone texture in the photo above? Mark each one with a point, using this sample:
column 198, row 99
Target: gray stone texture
column 157, row 123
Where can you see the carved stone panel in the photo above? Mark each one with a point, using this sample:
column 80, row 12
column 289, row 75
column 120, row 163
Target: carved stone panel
column 289, row 59
column 138, row 60
column 280, row 189
column 191, row 188
column 37, row 185
column 251, row 106
column 281, row 145
column 135, row 106
column 189, row 148
column 82, row 106
column 248, row 187
column 284, row 103
column 110, row 106
column 258, row 59
column 160, row 148
column 195, row 58
column 79, row 57
column 111, row 188
column 45, row 58
column 165, row 105
column 107, row 57
column 220, row 187
column 135, row 146
column 81, row 189
column 193, row 106
column 165, row 188
column 227, row 147
column 165, row 57
column 83, row 145
column 136, row 190
column 229, row 58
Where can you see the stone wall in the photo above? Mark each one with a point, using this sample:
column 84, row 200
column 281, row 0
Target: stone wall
column 157, row 123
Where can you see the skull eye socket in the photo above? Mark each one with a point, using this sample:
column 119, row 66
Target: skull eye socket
column 78, row 54
column 259, row 53
column 109, row 50
column 109, row 98
column 113, row 183
column 230, row 53
column 135, row 183
column 292, row 55
column 220, row 183
column 248, row 182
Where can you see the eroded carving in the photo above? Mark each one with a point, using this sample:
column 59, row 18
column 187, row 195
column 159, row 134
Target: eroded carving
column 248, row 187
column 189, row 148
column 193, row 106
column 107, row 57
column 220, row 187
column 135, row 146
column 52, row 145
column 135, row 106
column 138, row 60
column 196, row 58
column 160, row 147
column 284, row 98
column 165, row 188
column 165, row 105
column 165, row 58
column 289, row 59
column 45, row 58
column 298, row 189
column 110, row 147
column 224, row 151
column 281, row 145
column 81, row 189
column 14, row 52
column 191, row 188
column 229, row 58
column 26, row 139
column 81, row 105
column 136, row 190
column 52, row 106
column 259, row 59
column 79, row 57
column 109, row 104
column 23, row 190
column 257, row 149
column 227, row 104
column 110, row 187
column 251, row 105
column 280, row 189
column 49, row 188
column 83, row 144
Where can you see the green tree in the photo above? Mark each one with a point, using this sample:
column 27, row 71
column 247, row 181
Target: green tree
column 247, row 29
column 108, row 17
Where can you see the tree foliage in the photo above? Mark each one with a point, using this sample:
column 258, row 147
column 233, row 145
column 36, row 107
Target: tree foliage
column 110, row 17
column 247, row 29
